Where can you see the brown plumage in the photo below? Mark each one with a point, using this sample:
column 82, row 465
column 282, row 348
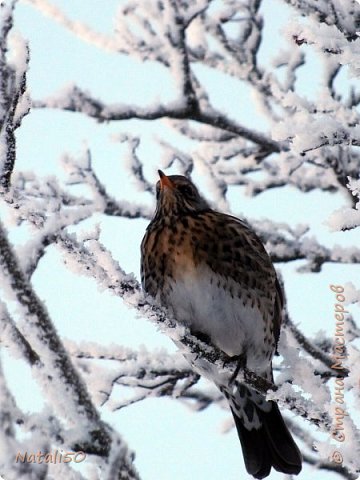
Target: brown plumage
column 213, row 272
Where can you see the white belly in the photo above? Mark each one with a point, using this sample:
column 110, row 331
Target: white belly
column 199, row 301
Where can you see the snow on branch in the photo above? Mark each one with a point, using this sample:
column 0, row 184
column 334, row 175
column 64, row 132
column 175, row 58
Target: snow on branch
column 55, row 208
column 81, row 30
column 76, row 100
column 152, row 375
column 147, row 374
column 81, row 172
column 316, row 141
column 309, row 440
column 92, row 259
column 10, row 415
column 47, row 208
column 285, row 245
column 11, row 337
column 43, row 337
column 14, row 101
column 347, row 218
column 345, row 16
column 53, row 367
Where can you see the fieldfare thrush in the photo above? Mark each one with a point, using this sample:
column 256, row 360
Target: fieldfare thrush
column 212, row 271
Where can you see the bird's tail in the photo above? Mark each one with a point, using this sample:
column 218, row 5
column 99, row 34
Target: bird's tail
column 268, row 443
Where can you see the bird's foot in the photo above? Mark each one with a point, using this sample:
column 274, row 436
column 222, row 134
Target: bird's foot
column 240, row 365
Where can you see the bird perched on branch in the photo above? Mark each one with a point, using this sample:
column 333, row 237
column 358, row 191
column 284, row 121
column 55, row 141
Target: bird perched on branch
column 212, row 271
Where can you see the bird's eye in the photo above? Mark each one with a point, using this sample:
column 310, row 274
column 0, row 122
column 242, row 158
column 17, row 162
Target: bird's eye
column 157, row 191
column 186, row 190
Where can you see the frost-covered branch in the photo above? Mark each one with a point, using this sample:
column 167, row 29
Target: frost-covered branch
column 9, row 417
column 344, row 16
column 302, row 247
column 153, row 374
column 11, row 337
column 76, row 100
column 347, row 218
column 54, row 368
column 329, row 466
column 88, row 260
column 313, row 350
column 80, row 29
column 283, row 243
column 309, row 440
column 48, row 209
column 14, row 102
column 304, row 133
column 92, row 259
column 146, row 373
column 42, row 334
column 300, row 356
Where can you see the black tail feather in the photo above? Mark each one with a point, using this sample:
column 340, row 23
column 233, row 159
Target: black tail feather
column 269, row 446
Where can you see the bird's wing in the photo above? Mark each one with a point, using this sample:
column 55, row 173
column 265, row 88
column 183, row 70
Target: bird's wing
column 239, row 254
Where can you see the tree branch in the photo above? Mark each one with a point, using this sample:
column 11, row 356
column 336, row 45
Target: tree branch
column 62, row 380
column 76, row 100
column 10, row 334
column 86, row 259
column 13, row 101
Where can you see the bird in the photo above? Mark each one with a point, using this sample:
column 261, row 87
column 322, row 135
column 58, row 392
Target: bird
column 212, row 272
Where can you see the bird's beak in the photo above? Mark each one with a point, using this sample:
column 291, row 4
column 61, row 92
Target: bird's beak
column 165, row 181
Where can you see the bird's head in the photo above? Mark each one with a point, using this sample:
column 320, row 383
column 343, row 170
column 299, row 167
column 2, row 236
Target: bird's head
column 177, row 195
